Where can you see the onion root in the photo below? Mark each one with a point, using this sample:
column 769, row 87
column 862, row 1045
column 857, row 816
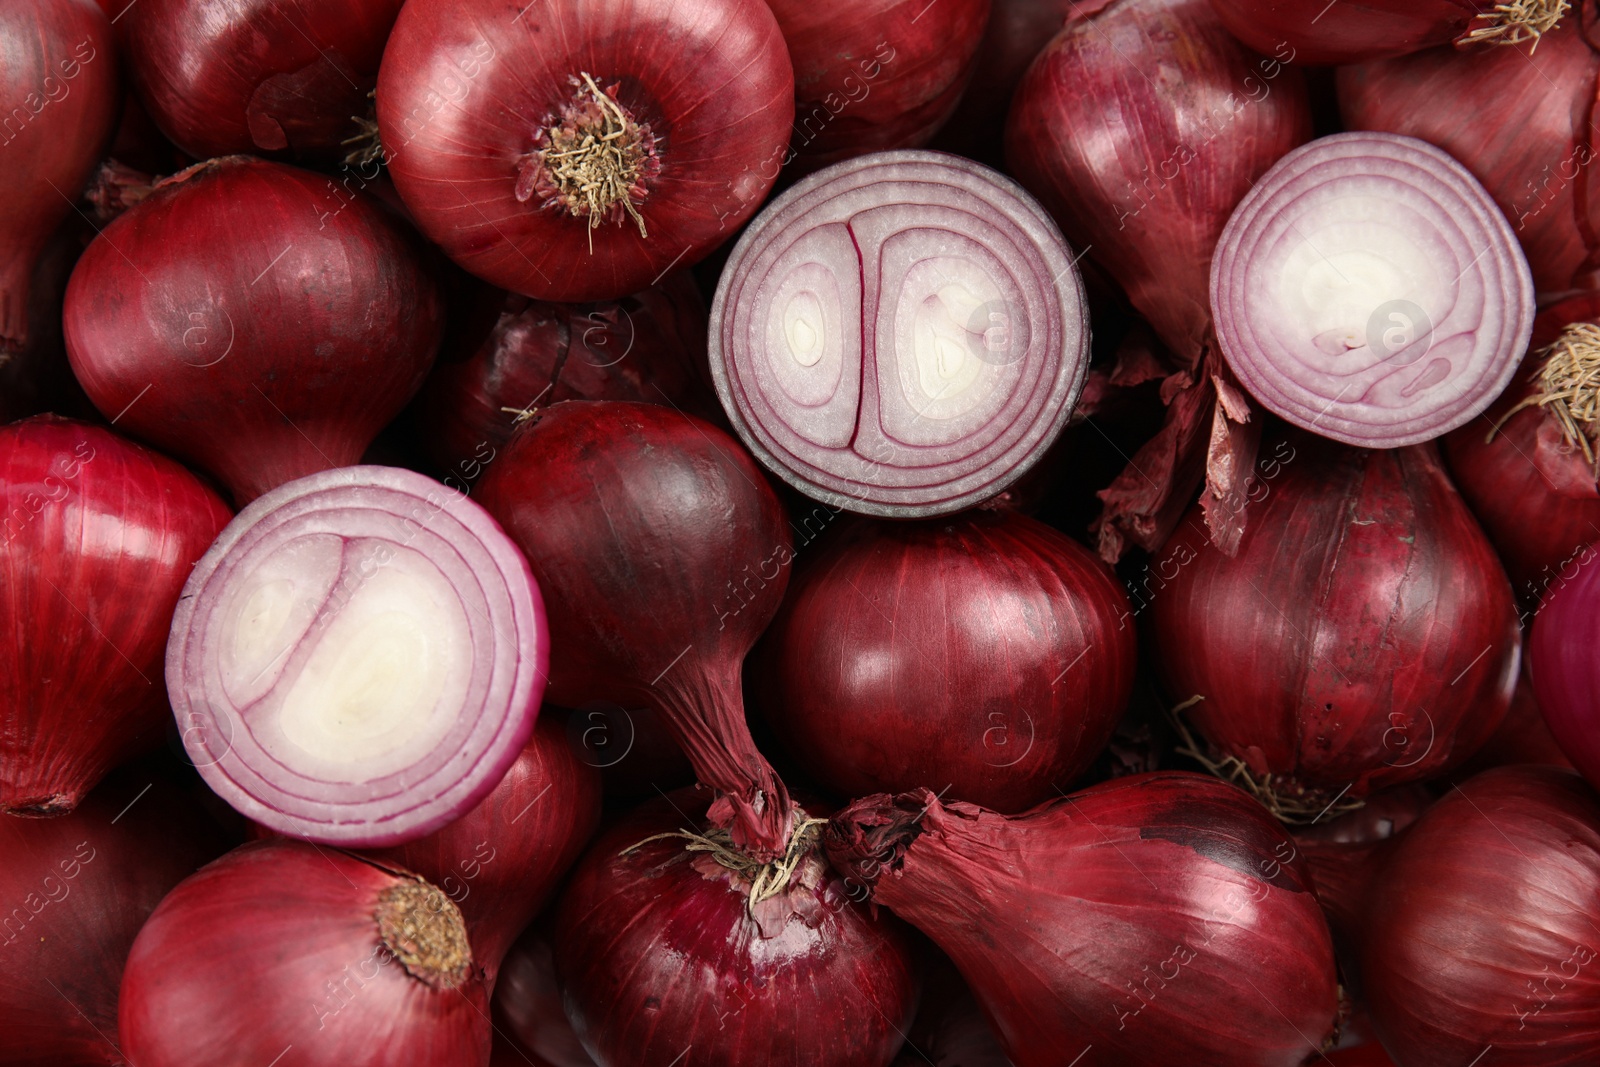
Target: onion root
column 1517, row 22
column 767, row 879
column 1569, row 387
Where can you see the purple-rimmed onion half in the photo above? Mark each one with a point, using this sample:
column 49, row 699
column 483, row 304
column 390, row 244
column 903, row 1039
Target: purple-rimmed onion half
column 358, row 658
column 1369, row 290
column 902, row 334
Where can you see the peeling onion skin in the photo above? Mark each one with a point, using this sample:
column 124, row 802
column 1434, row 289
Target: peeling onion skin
column 466, row 88
column 256, row 76
column 1351, row 32
column 1365, row 635
column 247, row 321
column 1482, row 927
column 337, row 998
column 656, row 952
column 97, row 537
column 998, row 660
column 68, row 121
column 1058, row 918
column 1112, row 106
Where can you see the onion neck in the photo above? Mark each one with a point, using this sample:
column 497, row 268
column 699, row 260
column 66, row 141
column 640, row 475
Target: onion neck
column 423, row 929
column 1568, row 388
column 1517, row 21
column 115, row 187
column 872, row 834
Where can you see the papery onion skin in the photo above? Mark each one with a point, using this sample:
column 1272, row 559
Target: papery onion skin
column 1364, row 636
column 79, row 887
column 986, row 653
column 97, row 537
column 249, row 321
column 468, row 90
column 256, row 76
column 1482, row 926
column 1166, row 920
column 1563, row 666
column 325, row 988
column 58, row 79
column 656, row 951
column 1349, row 32
column 528, row 1007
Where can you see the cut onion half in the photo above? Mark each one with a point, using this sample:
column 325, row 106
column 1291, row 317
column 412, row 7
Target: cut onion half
column 1369, row 290
column 902, row 334
column 359, row 657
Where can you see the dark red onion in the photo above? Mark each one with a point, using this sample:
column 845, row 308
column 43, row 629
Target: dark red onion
column 1153, row 920
column 313, row 957
column 528, row 1007
column 58, row 81
column 237, row 321
column 903, row 334
column 1481, row 936
column 984, row 653
column 950, row 1030
column 97, row 537
column 633, row 747
column 359, row 658
column 1364, row 636
column 1354, row 30
column 1523, row 736
column 1564, row 668
column 1343, row 854
column 36, row 377
column 475, row 96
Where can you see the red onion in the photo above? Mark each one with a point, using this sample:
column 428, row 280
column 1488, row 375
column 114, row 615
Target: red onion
column 359, row 658
column 950, row 1030
column 97, row 536
column 58, row 77
column 1343, row 854
column 36, row 377
column 1153, row 920
column 1481, row 938
column 1369, row 290
column 77, row 888
column 286, row 76
column 1521, row 126
column 878, row 75
column 1566, row 675
column 235, row 320
column 1523, row 736
column 281, row 950
column 1364, row 636
column 937, row 381
column 986, row 653
column 473, row 96
column 528, row 1007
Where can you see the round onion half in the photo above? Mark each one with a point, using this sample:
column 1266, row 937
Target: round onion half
column 901, row 334
column 359, row 657
column 1369, row 290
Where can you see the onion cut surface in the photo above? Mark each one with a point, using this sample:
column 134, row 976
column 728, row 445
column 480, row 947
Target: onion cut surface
column 902, row 334
column 359, row 657
column 1369, row 290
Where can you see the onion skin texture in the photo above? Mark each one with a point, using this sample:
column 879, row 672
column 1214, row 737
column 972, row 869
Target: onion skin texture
column 256, row 76
column 656, row 952
column 1482, row 927
column 984, row 652
column 79, row 887
column 323, row 990
column 468, row 89
column 256, row 368
column 97, row 537
column 1563, row 666
column 1364, row 636
column 58, row 78
column 1350, row 32
column 1053, row 917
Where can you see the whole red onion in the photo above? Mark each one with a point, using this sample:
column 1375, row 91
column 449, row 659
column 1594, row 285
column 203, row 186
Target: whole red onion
column 284, row 951
column 58, row 82
column 1562, row 663
column 1152, row 920
column 984, row 653
column 527, row 1004
column 1481, row 935
column 97, row 537
column 245, row 319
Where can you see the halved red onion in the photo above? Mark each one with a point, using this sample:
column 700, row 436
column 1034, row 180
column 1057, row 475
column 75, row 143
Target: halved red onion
column 359, row 657
column 902, row 334
column 1369, row 290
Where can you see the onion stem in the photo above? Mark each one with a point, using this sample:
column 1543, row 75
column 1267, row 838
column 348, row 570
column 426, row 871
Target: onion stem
column 1518, row 21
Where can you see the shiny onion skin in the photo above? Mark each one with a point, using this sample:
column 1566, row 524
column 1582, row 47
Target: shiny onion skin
column 247, row 321
column 1482, row 927
column 1141, row 148
column 97, row 537
column 1343, row 854
column 657, row 950
column 1562, row 663
column 347, row 965
column 77, row 888
column 1153, row 920
column 528, row 1007
column 256, row 76
column 1364, row 636
column 59, row 85
column 1350, row 32
column 875, row 75
column 471, row 90
column 985, row 652
column 1542, row 177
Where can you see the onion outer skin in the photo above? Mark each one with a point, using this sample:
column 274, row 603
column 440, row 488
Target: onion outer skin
column 1350, row 32
column 1562, row 664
